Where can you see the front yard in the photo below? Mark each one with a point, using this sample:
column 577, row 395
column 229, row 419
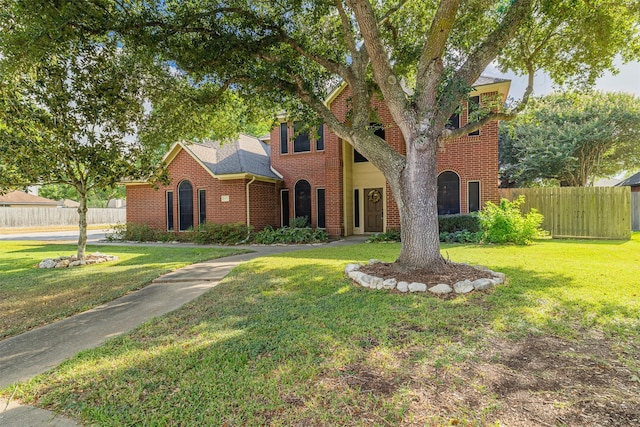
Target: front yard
column 287, row 340
column 31, row 297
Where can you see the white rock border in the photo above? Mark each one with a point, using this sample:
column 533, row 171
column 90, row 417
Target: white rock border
column 73, row 261
column 461, row 287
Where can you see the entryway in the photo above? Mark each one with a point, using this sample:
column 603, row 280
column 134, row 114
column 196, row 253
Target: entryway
column 373, row 210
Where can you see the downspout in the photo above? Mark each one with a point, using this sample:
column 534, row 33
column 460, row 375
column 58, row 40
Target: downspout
column 249, row 205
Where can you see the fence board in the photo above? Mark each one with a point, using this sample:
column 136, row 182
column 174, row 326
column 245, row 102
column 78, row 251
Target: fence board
column 635, row 211
column 581, row 212
column 42, row 217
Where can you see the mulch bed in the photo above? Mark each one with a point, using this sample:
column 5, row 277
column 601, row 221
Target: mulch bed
column 450, row 274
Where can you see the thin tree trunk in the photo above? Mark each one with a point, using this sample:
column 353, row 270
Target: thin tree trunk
column 419, row 210
column 82, row 222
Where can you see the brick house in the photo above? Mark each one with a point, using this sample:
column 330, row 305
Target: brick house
column 316, row 175
column 210, row 182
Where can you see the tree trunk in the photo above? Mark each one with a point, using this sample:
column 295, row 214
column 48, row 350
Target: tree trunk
column 418, row 207
column 82, row 222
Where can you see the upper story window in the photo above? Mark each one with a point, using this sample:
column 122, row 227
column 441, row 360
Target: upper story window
column 284, row 138
column 454, row 121
column 378, row 130
column 320, row 138
column 301, row 142
column 473, row 106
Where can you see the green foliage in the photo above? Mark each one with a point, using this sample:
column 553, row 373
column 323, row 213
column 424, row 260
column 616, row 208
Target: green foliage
column 300, row 222
column 96, row 197
column 286, row 235
column 221, row 234
column 458, row 222
column 461, row 236
column 136, row 233
column 504, row 223
column 571, row 138
column 392, row 235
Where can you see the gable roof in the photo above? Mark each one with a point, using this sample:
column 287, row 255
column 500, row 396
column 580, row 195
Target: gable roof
column 22, row 198
column 243, row 157
column 632, row 181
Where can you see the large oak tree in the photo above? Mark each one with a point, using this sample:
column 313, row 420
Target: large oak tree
column 421, row 56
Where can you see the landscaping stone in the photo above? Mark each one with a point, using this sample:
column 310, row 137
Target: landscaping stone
column 375, row 261
column 482, row 284
column 403, row 286
column 499, row 275
column 463, row 287
column 351, row 267
column 389, row 284
column 441, row 288
column 76, row 263
column 417, row 287
column 47, row 263
column 365, row 280
column 376, row 282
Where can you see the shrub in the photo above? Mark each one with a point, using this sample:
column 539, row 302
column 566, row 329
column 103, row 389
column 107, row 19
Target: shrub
column 392, row 235
column 458, row 222
column 287, row 235
column 139, row 233
column 116, row 233
column 299, row 222
column 461, row 236
column 222, row 234
column 504, row 223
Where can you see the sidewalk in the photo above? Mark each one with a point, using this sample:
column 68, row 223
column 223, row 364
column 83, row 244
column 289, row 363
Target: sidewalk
column 36, row 351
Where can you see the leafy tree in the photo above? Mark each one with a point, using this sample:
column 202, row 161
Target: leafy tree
column 293, row 52
column 571, row 138
column 96, row 197
column 72, row 121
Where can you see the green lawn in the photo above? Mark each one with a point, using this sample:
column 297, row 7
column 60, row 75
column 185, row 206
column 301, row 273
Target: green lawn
column 287, row 340
column 31, row 297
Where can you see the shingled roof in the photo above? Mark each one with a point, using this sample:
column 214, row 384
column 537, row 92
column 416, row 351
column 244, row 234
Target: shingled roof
column 26, row 199
column 632, row 181
column 244, row 155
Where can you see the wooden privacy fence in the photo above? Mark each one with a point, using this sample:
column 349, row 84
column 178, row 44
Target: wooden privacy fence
column 635, row 211
column 581, row 212
column 42, row 217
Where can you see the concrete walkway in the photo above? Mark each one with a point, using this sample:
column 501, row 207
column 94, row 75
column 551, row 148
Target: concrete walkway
column 27, row 355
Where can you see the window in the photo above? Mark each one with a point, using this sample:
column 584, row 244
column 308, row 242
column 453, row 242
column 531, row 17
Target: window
column 358, row 158
column 202, row 206
column 284, row 138
column 473, row 194
column 301, row 143
column 169, row 210
column 472, row 106
column 320, row 138
column 356, row 207
column 448, row 193
column 454, row 121
column 303, row 200
column 185, row 206
column 284, row 206
column 320, row 208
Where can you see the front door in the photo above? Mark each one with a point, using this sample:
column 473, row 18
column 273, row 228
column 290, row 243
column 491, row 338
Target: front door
column 373, row 209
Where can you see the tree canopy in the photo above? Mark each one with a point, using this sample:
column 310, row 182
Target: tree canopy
column 572, row 139
column 420, row 56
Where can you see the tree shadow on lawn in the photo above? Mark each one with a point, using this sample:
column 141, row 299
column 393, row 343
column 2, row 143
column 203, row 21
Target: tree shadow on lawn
column 302, row 345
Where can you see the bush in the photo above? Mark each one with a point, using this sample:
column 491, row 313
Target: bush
column 458, row 222
column 286, row 235
column 221, row 234
column 137, row 232
column 504, row 223
column 392, row 235
column 461, row 236
column 300, row 222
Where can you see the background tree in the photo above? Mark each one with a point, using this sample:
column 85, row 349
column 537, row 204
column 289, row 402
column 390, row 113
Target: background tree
column 96, row 198
column 422, row 58
column 572, row 139
column 72, row 121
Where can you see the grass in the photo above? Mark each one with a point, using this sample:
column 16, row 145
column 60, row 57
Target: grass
column 31, row 297
column 287, row 340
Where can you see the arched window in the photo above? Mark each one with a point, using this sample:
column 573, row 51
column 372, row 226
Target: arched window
column 448, row 193
column 185, row 206
column 303, row 200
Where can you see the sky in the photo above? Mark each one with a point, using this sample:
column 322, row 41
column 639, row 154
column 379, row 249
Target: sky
column 627, row 80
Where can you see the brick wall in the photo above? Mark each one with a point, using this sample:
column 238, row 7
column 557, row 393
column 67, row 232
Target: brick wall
column 146, row 205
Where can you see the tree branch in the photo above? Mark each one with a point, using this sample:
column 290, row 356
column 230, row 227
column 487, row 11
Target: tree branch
column 429, row 69
column 346, row 27
column 391, row 11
